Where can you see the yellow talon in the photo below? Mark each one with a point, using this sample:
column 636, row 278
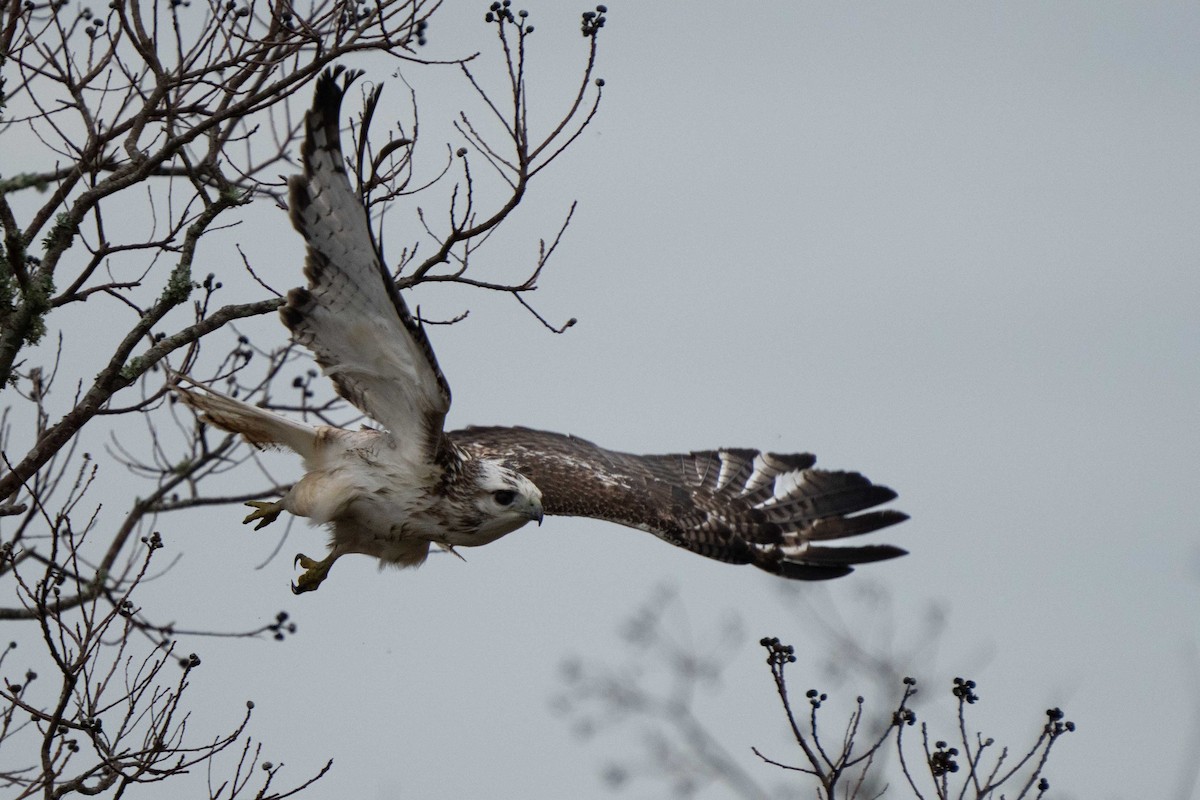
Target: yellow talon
column 263, row 511
column 314, row 572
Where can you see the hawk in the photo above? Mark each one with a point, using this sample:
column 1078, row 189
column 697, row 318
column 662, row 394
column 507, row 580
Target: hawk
column 393, row 491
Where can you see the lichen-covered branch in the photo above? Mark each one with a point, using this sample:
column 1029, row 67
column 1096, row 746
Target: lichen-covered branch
column 152, row 132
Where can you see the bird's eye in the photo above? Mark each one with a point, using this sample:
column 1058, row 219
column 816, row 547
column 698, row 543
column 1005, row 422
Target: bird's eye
column 505, row 497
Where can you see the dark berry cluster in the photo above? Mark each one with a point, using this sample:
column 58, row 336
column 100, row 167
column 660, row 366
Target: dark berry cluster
column 778, row 654
column 1055, row 725
column 815, row 698
column 594, row 20
column 94, row 24
column 15, row 688
column 941, row 761
column 965, row 690
column 302, row 382
column 501, row 12
column 355, row 12
column 53, row 5
column 91, row 724
column 55, row 578
column 905, row 715
column 281, row 626
column 243, row 351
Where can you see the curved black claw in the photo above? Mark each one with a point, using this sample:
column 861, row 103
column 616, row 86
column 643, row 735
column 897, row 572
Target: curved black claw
column 314, row 572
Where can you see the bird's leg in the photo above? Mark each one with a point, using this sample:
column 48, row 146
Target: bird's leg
column 314, row 572
column 263, row 511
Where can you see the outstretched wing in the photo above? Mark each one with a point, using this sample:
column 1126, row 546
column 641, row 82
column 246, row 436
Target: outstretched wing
column 740, row 506
column 351, row 315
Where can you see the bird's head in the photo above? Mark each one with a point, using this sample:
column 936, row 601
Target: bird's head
column 505, row 500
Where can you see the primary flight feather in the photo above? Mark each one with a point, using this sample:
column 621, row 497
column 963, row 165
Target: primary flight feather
column 394, row 492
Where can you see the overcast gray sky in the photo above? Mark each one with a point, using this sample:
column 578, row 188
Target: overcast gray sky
column 953, row 246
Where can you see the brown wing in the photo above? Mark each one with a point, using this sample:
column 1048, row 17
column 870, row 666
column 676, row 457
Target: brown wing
column 735, row 505
column 351, row 315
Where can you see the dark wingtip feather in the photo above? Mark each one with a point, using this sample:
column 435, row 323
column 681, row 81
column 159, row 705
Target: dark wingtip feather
column 791, row 461
column 322, row 130
column 824, row 563
column 884, row 494
column 293, row 311
column 851, row 555
column 323, row 117
column 842, row 527
column 799, row 571
column 872, row 494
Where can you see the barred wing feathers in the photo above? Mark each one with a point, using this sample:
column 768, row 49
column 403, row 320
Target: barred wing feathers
column 736, row 505
column 351, row 315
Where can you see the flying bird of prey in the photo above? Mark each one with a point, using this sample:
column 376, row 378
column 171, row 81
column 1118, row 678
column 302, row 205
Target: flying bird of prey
column 391, row 492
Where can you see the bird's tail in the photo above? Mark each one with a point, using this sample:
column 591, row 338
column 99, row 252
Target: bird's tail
column 260, row 427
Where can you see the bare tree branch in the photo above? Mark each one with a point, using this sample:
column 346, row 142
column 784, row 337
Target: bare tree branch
column 150, row 129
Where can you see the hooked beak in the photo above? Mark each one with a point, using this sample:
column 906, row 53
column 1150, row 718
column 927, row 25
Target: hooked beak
column 535, row 512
